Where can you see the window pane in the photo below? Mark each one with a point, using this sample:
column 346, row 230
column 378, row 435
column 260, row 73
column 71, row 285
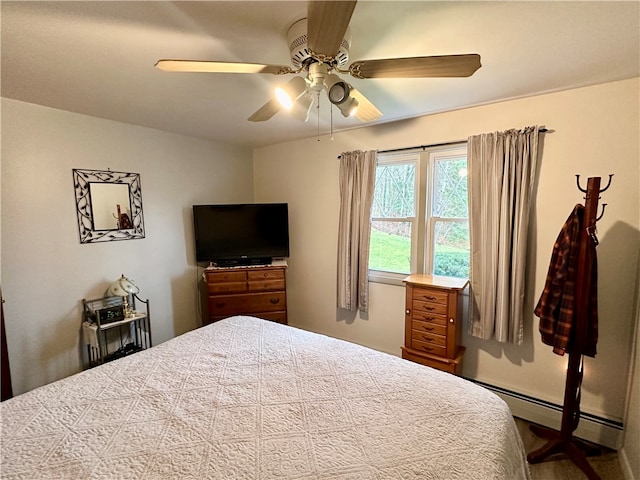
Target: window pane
column 394, row 191
column 451, row 249
column 390, row 249
column 450, row 189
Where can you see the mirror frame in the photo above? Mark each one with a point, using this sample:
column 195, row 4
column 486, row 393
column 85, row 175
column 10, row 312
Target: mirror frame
column 81, row 182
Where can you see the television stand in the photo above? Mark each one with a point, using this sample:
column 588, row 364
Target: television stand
column 243, row 262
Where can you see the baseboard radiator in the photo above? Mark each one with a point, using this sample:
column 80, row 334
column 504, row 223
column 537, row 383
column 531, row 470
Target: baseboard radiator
column 592, row 428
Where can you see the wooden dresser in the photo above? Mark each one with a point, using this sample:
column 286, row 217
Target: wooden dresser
column 433, row 321
column 256, row 291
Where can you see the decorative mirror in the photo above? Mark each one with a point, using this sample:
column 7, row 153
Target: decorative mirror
column 109, row 205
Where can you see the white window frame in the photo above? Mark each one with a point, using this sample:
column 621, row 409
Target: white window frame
column 431, row 220
column 423, row 224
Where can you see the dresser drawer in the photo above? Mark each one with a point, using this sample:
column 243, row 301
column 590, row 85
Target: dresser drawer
column 246, row 304
column 278, row 317
column 277, row 274
column 254, row 291
column 231, row 287
column 439, row 340
column 427, row 347
column 225, row 276
column 433, row 321
column 429, row 327
column 430, row 318
column 451, row 365
column 429, row 307
column 266, row 285
column 432, row 296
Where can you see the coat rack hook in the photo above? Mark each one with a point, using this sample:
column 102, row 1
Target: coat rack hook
column 584, row 190
column 608, row 185
column 604, row 205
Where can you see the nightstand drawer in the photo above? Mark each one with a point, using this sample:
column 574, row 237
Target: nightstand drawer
column 428, row 307
column 432, row 296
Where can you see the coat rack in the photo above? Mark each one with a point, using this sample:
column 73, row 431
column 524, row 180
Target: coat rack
column 564, row 441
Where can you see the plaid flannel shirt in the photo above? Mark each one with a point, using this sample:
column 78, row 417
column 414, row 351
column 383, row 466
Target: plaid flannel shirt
column 557, row 305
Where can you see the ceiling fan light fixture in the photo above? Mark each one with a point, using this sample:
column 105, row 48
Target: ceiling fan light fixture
column 339, row 93
column 337, row 89
column 302, row 107
column 349, row 107
column 320, row 45
column 290, row 92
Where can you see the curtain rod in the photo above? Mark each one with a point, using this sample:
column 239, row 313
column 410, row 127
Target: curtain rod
column 433, row 145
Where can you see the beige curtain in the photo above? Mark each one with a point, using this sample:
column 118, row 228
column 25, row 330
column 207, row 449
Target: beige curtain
column 502, row 169
column 357, row 180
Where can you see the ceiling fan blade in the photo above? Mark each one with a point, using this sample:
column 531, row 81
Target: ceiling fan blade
column 367, row 111
column 327, row 24
column 417, row 67
column 220, row 67
column 266, row 111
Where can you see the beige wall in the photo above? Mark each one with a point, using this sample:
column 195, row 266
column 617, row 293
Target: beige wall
column 46, row 271
column 595, row 132
column 630, row 453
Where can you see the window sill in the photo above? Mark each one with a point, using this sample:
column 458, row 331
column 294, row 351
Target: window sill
column 389, row 278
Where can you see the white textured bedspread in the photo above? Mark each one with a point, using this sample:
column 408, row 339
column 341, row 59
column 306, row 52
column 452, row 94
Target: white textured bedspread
column 249, row 399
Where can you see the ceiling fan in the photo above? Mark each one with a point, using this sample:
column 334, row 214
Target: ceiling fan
column 319, row 47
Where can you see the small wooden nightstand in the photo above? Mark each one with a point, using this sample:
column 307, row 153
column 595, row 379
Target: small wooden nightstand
column 433, row 321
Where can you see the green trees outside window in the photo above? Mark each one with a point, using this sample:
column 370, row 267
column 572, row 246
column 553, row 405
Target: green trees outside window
column 400, row 196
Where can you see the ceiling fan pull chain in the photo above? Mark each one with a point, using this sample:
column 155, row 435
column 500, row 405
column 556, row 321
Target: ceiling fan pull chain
column 318, row 113
column 331, row 119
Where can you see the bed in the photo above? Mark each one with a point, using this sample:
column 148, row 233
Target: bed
column 244, row 398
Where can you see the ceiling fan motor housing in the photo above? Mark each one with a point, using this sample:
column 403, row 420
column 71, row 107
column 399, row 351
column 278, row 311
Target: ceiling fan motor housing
column 300, row 53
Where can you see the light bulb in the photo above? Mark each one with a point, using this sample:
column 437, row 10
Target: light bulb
column 290, row 92
column 284, row 98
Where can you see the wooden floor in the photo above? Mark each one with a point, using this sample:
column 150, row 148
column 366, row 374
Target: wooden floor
column 558, row 467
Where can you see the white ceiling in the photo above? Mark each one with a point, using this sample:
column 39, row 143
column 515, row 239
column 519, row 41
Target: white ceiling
column 97, row 58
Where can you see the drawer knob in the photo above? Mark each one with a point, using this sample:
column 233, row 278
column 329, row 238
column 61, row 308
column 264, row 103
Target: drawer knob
column 428, row 329
column 407, row 311
column 428, row 339
column 275, row 301
column 428, row 297
column 219, row 305
column 451, row 320
column 429, row 308
column 428, row 349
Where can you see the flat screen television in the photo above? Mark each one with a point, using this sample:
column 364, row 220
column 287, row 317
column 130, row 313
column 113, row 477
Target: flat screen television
column 241, row 234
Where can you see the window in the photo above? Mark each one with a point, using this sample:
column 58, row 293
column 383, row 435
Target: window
column 419, row 216
column 393, row 214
